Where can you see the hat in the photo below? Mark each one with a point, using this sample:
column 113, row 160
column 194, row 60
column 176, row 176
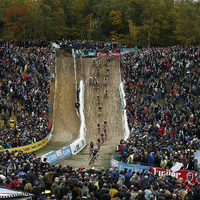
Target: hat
column 102, row 169
column 56, row 179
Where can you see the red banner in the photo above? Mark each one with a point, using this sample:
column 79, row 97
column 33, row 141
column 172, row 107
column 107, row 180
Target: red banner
column 186, row 175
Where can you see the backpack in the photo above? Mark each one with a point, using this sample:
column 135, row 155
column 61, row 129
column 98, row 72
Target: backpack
column 69, row 195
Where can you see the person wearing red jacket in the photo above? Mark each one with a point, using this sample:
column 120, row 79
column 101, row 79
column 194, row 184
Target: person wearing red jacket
column 16, row 182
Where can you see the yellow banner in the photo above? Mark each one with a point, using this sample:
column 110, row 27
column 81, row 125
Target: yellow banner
column 31, row 147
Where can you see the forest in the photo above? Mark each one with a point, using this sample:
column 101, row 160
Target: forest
column 135, row 22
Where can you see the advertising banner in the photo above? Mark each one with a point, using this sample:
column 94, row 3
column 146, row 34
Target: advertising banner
column 92, row 54
column 31, row 147
column 186, row 175
column 66, row 152
column 135, row 168
column 101, row 54
column 52, row 157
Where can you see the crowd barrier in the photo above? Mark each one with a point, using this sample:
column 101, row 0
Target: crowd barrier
column 126, row 130
column 185, row 174
column 32, row 147
column 80, row 142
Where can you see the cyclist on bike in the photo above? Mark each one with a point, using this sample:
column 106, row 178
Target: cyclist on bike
column 98, row 99
column 91, row 148
column 106, row 93
column 90, row 81
column 93, row 61
column 105, row 80
column 98, row 143
column 102, row 138
column 95, row 154
column 94, row 80
column 98, row 71
column 107, row 72
column 96, row 85
column 98, row 127
column 104, row 124
column 105, row 133
column 99, row 110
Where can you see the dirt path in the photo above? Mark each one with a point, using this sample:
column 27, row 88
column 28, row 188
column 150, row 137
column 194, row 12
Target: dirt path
column 111, row 112
column 66, row 121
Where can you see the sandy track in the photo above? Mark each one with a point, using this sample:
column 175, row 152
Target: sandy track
column 66, row 121
column 111, row 111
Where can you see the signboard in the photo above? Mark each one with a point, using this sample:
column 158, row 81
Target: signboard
column 52, row 157
column 101, row 54
column 66, row 152
column 92, row 54
column 31, row 147
column 135, row 168
column 186, row 175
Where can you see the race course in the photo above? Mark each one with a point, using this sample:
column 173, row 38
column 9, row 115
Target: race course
column 111, row 112
column 67, row 123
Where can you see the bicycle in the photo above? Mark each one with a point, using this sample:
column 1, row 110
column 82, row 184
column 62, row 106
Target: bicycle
column 98, row 99
column 91, row 163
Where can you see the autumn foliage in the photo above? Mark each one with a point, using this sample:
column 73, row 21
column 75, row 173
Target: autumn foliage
column 14, row 22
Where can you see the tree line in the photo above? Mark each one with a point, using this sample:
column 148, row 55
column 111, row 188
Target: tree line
column 135, row 22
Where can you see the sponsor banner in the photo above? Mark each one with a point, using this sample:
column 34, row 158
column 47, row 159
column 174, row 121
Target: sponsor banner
column 92, row 54
column 126, row 50
column 186, row 175
column 101, row 54
column 116, row 54
column 52, row 157
column 135, row 168
column 66, row 152
column 31, row 147
column 59, row 154
column 77, row 145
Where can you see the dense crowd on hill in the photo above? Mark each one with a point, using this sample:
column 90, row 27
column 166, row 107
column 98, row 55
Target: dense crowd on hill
column 163, row 107
column 26, row 172
column 24, row 93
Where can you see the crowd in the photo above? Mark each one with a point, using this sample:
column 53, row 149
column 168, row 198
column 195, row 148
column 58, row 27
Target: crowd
column 163, row 107
column 24, row 92
column 26, row 172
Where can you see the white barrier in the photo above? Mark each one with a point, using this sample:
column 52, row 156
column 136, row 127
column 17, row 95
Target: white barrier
column 126, row 129
column 80, row 142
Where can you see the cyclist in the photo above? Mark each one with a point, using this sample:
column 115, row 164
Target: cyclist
column 98, row 71
column 105, row 80
column 99, row 110
column 102, row 138
column 93, row 62
column 95, row 154
column 105, row 133
column 91, row 148
column 98, row 99
column 98, row 143
column 106, row 93
column 90, row 81
column 104, row 124
column 94, row 80
column 107, row 72
column 96, row 85
column 98, row 128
